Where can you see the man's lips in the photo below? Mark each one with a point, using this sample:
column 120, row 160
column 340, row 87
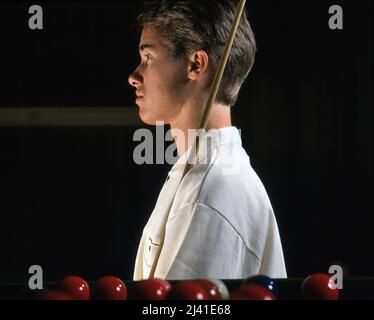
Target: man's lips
column 138, row 97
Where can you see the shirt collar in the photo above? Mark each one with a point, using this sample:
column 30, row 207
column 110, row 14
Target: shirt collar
column 211, row 139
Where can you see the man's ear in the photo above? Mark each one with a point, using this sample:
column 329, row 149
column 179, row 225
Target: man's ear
column 198, row 64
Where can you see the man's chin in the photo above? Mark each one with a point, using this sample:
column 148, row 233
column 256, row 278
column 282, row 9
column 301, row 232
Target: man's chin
column 146, row 117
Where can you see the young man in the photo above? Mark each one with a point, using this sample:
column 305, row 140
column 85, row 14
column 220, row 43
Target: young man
column 218, row 220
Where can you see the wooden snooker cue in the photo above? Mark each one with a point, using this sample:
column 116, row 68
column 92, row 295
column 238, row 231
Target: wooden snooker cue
column 206, row 112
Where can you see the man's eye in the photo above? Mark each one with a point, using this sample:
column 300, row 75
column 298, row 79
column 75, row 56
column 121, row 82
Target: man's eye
column 147, row 58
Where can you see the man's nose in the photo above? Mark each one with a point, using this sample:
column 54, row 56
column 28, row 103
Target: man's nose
column 135, row 79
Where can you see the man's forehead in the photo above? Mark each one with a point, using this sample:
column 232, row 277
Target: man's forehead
column 150, row 39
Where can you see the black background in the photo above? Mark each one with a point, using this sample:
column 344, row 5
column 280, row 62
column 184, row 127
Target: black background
column 73, row 201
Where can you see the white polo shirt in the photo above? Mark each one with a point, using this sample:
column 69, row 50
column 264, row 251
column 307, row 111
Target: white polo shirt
column 219, row 219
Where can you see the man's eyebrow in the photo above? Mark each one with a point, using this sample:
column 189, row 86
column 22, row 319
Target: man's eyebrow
column 146, row 46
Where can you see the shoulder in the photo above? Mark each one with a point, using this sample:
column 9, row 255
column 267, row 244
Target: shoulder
column 235, row 193
column 231, row 182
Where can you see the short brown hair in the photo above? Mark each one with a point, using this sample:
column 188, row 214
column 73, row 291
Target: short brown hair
column 191, row 25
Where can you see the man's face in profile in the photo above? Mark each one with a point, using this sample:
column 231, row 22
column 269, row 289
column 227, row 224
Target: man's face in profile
column 160, row 80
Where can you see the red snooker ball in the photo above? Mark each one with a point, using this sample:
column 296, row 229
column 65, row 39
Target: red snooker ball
column 222, row 288
column 252, row 291
column 76, row 287
column 149, row 289
column 319, row 286
column 109, row 288
column 187, row 290
column 211, row 288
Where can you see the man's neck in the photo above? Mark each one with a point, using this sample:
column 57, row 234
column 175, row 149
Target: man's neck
column 190, row 118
